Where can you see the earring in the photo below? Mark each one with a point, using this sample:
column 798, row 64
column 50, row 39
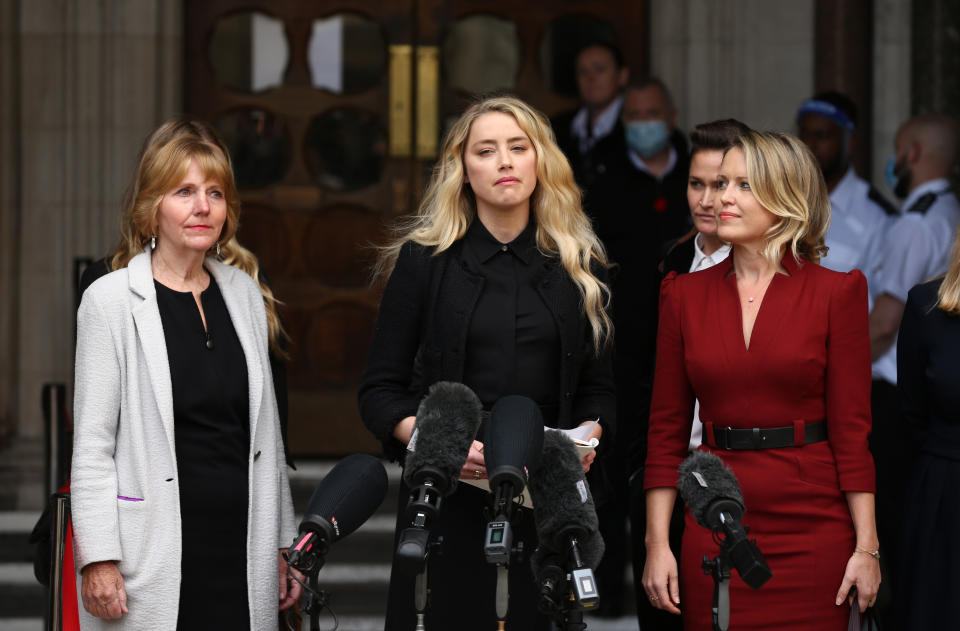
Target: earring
column 218, row 249
column 153, row 243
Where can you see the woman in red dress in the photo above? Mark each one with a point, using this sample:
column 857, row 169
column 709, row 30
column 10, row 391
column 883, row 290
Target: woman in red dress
column 776, row 349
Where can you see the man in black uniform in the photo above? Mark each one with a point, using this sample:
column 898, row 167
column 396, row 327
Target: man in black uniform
column 585, row 135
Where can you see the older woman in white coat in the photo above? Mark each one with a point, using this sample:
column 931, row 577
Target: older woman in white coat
column 180, row 497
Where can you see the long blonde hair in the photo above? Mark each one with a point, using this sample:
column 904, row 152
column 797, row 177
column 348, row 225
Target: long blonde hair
column 449, row 206
column 786, row 180
column 949, row 293
column 163, row 163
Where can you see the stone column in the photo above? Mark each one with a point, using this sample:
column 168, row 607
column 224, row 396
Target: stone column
column 9, row 212
column 936, row 57
column 891, row 80
column 96, row 77
column 748, row 59
column 843, row 49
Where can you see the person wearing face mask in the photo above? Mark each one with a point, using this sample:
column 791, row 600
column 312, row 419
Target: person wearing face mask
column 860, row 215
column 917, row 249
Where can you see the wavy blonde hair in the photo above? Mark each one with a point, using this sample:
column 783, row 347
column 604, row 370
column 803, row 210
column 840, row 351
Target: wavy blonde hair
column 162, row 165
column 949, row 293
column 563, row 229
column 786, row 180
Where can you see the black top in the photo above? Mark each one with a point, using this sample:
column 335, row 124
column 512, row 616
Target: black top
column 928, row 373
column 278, row 365
column 208, row 373
column 512, row 341
column 421, row 334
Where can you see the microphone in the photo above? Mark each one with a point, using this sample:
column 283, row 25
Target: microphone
column 447, row 422
column 341, row 503
column 713, row 495
column 512, row 441
column 567, row 527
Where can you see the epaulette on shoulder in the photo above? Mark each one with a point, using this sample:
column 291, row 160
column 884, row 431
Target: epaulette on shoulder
column 877, row 197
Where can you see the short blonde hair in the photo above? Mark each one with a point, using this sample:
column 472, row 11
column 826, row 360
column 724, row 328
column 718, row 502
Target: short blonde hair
column 786, row 180
column 949, row 293
column 163, row 163
column 449, row 206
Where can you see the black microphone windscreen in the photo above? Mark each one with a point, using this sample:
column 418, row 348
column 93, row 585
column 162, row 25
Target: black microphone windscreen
column 347, row 496
column 513, row 436
column 562, row 502
column 703, row 480
column 447, row 422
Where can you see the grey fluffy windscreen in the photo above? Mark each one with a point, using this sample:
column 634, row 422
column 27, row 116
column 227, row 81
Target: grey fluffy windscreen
column 703, row 467
column 447, row 422
column 563, row 503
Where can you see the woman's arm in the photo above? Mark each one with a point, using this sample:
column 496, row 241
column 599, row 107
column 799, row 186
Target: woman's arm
column 848, row 426
column 660, row 574
column 385, row 396
column 94, row 487
column 863, row 568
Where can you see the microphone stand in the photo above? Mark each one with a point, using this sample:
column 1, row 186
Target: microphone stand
column 309, row 557
column 719, row 569
column 498, row 547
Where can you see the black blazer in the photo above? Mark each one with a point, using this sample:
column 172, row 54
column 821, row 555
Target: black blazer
column 421, row 334
column 678, row 254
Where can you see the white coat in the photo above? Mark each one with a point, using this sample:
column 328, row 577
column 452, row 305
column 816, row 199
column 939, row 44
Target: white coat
column 124, row 448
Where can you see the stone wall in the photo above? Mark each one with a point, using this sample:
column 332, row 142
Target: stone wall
column 93, row 79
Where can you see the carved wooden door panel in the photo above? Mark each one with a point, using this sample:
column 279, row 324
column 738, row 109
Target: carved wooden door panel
column 334, row 112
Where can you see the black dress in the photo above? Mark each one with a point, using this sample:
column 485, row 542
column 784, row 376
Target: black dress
column 512, row 348
column 208, row 373
column 928, row 373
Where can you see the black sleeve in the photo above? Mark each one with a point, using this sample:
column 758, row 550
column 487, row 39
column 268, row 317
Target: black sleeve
column 100, row 267
column 385, row 395
column 912, row 364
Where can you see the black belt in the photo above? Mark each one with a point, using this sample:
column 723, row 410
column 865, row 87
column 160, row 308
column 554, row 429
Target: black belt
column 798, row 435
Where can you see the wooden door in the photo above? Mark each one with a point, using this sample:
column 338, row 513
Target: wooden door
column 334, row 113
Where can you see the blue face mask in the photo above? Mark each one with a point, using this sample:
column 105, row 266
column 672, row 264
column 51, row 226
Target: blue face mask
column 647, row 138
column 897, row 181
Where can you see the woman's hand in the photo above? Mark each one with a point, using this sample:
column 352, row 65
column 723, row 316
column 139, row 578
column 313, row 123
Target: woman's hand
column 475, row 466
column 597, row 432
column 863, row 572
column 289, row 588
column 660, row 578
column 404, row 429
column 102, row 590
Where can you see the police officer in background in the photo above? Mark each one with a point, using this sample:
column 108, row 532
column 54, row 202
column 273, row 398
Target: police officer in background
column 585, row 134
column 917, row 249
column 860, row 215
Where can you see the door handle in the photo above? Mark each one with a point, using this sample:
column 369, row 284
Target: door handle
column 428, row 105
column 401, row 110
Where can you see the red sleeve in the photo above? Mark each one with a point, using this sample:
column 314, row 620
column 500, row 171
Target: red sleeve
column 671, row 411
column 848, row 384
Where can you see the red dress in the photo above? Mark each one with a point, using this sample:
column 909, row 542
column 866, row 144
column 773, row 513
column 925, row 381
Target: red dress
column 809, row 360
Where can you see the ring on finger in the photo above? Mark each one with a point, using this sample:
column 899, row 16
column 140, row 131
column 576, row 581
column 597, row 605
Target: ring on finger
column 654, row 597
column 476, row 474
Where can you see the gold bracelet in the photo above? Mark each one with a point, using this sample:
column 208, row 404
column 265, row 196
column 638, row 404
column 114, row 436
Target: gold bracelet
column 875, row 554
